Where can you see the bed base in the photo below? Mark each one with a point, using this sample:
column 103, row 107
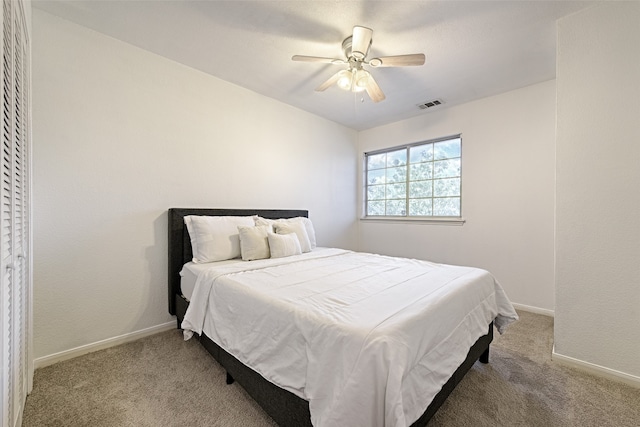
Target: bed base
column 289, row 410
column 286, row 409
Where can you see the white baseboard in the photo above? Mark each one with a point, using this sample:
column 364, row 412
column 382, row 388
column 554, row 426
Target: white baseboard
column 594, row 369
column 535, row 310
column 41, row 362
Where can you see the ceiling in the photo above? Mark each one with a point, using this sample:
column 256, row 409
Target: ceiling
column 473, row 49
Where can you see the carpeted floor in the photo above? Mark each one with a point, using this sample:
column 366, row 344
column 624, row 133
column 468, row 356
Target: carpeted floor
column 164, row 381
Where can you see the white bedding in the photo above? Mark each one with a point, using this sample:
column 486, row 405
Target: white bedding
column 368, row 340
column 191, row 270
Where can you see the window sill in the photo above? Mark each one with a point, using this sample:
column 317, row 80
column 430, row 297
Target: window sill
column 415, row 220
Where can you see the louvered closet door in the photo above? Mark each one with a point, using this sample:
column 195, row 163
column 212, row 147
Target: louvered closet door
column 21, row 205
column 14, row 213
column 6, row 212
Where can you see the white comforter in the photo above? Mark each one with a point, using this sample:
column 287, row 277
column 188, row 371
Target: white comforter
column 368, row 340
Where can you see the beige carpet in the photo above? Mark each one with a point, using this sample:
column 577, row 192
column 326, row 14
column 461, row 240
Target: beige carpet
column 163, row 381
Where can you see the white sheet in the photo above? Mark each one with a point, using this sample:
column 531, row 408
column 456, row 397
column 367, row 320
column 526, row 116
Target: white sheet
column 191, row 270
column 368, row 340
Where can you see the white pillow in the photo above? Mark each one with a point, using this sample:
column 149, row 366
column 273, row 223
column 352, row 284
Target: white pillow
column 311, row 233
column 215, row 238
column 253, row 242
column 298, row 229
column 283, row 245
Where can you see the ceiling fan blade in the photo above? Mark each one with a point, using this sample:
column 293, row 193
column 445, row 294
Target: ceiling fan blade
column 303, row 58
column 361, row 41
column 330, row 81
column 373, row 90
column 398, row 60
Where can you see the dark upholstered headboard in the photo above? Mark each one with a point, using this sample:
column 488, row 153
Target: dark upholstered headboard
column 180, row 243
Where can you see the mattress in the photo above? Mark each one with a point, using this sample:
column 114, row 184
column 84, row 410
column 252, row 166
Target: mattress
column 368, row 340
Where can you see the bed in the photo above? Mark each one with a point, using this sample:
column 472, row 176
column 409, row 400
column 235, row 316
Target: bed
column 285, row 403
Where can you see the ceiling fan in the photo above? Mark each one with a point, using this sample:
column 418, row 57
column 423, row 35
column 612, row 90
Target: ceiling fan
column 356, row 78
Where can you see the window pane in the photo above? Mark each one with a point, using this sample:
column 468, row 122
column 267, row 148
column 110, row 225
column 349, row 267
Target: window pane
column 446, row 207
column 397, row 158
column 376, row 177
column 397, row 174
column 420, row 189
column 446, row 187
column 422, row 180
column 446, row 168
column 375, row 192
column 447, row 149
column 420, row 207
column 375, row 208
column 420, row 171
column 396, row 207
column 421, row 153
column 377, row 161
column 397, row 191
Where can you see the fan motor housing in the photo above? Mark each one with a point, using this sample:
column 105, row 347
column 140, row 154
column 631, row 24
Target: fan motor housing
column 346, row 48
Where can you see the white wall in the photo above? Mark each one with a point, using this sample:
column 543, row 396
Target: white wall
column 121, row 135
column 507, row 192
column 598, row 188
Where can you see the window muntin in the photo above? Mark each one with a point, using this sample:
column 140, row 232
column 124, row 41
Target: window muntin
column 416, row 180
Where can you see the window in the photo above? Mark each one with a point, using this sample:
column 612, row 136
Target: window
column 417, row 180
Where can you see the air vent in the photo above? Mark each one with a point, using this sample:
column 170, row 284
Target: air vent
column 431, row 104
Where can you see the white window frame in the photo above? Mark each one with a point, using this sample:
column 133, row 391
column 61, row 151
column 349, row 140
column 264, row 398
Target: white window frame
column 444, row 220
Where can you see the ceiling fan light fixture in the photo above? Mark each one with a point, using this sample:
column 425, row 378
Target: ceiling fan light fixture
column 353, row 80
column 344, row 79
column 357, row 88
column 361, row 80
